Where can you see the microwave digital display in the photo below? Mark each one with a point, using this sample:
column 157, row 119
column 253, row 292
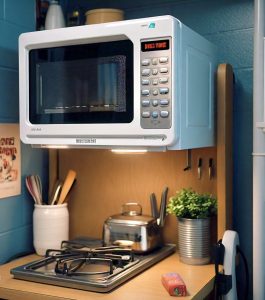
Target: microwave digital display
column 155, row 45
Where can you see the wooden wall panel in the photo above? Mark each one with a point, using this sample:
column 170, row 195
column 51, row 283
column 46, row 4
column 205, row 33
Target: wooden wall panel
column 106, row 180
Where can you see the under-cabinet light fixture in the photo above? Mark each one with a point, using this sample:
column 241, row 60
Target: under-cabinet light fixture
column 51, row 146
column 129, row 151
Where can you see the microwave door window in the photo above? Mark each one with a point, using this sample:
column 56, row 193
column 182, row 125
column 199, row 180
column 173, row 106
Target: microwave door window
column 107, row 86
column 66, row 87
column 82, row 88
column 112, row 84
column 88, row 85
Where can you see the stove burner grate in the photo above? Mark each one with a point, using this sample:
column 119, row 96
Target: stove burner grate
column 79, row 260
column 85, row 264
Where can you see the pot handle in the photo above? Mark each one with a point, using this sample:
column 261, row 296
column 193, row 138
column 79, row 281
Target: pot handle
column 131, row 209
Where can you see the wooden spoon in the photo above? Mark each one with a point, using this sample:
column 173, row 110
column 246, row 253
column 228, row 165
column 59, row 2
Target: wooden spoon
column 69, row 180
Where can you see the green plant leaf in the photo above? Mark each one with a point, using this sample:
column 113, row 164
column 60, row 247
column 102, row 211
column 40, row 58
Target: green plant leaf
column 190, row 204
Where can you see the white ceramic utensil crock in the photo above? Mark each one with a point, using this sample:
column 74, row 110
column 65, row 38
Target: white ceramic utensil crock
column 50, row 227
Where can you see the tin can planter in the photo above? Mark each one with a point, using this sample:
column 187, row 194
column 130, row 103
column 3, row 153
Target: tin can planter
column 194, row 240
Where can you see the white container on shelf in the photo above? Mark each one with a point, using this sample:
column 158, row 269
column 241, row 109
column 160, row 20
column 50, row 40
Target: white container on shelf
column 50, row 227
column 103, row 15
column 54, row 18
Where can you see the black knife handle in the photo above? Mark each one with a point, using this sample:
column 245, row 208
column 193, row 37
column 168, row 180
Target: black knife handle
column 163, row 206
column 154, row 209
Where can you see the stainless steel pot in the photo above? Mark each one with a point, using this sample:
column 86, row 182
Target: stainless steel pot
column 132, row 229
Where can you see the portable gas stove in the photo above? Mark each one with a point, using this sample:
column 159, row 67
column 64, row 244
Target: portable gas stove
column 85, row 264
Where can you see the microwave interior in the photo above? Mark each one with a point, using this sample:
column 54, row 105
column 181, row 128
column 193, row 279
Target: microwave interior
column 87, row 83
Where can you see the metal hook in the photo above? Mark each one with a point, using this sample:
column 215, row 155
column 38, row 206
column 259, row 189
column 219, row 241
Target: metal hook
column 199, row 168
column 210, row 168
column 188, row 159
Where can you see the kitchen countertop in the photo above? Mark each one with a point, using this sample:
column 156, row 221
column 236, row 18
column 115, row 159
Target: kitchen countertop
column 147, row 285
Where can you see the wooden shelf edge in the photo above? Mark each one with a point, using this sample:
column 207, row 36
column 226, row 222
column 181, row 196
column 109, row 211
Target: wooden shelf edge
column 224, row 147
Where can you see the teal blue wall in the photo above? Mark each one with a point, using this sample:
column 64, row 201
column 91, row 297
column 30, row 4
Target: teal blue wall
column 16, row 16
column 229, row 25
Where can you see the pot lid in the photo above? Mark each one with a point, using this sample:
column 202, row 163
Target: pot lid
column 130, row 220
column 131, row 215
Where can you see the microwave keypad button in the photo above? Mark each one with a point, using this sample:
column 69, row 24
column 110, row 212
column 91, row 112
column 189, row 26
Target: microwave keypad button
column 155, row 81
column 146, row 62
column 146, row 72
column 145, row 92
column 164, row 102
column 145, row 103
column 155, row 102
column 155, row 92
column 164, row 113
column 155, row 114
column 157, row 106
column 145, row 81
column 164, row 91
column 163, row 80
column 163, row 60
column 154, row 61
column 146, row 114
column 163, row 70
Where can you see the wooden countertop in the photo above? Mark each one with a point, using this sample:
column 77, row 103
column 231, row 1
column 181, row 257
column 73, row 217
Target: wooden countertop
column 147, row 285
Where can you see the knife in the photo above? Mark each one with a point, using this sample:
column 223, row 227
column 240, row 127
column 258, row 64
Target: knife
column 163, row 204
column 154, row 209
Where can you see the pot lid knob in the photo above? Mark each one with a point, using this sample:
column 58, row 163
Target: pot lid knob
column 131, row 209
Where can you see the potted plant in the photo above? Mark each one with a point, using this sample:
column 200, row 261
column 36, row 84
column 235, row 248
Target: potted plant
column 193, row 211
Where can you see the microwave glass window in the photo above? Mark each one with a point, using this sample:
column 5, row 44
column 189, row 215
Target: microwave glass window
column 89, row 83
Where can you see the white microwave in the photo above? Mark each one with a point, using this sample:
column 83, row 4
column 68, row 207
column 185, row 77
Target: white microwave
column 144, row 83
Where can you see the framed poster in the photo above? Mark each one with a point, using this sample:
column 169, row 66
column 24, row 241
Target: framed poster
column 10, row 160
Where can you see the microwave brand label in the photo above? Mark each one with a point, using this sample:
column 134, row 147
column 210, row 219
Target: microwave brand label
column 86, row 141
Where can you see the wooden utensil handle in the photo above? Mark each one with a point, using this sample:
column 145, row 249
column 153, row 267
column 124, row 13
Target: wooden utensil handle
column 70, row 178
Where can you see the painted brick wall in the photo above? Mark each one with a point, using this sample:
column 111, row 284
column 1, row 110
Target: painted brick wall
column 16, row 16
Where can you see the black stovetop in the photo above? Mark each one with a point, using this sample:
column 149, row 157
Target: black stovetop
column 84, row 264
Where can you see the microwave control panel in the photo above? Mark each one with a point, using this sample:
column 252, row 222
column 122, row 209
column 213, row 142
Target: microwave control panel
column 156, row 105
